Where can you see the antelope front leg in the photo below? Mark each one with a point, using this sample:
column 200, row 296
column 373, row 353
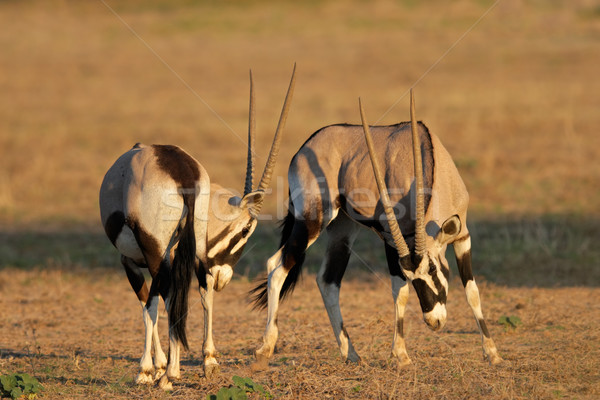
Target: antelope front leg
column 462, row 250
column 211, row 366
column 400, row 294
column 277, row 275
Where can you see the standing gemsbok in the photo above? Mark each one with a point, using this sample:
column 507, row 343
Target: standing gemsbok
column 332, row 188
column 160, row 210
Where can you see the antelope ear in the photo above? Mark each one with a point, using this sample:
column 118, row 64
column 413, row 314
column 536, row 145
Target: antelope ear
column 450, row 229
column 251, row 198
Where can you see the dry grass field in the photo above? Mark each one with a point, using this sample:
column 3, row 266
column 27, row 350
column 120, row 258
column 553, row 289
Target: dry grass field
column 510, row 87
column 81, row 334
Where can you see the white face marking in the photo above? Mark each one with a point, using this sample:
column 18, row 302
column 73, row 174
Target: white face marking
column 422, row 273
column 225, row 241
column 222, row 275
column 436, row 318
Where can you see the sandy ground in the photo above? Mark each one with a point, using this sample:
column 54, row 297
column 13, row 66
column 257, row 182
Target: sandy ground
column 81, row 334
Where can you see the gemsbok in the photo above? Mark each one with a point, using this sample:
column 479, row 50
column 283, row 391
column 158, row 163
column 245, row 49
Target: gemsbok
column 160, row 210
column 332, row 188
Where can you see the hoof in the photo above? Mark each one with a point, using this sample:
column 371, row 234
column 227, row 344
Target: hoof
column 165, row 384
column 353, row 359
column 494, row 359
column 144, row 378
column 211, row 370
column 261, row 363
column 403, row 362
column 159, row 373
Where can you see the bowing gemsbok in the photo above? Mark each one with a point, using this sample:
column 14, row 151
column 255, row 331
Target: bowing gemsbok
column 332, row 188
column 160, row 210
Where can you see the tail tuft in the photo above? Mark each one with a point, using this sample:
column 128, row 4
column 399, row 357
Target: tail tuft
column 258, row 295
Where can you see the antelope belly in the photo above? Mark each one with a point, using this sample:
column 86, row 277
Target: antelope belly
column 128, row 246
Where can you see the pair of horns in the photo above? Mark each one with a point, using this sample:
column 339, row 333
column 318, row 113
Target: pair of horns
column 266, row 176
column 399, row 241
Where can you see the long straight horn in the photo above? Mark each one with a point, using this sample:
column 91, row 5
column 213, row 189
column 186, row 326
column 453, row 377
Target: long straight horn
column 420, row 245
column 249, row 183
column 266, row 177
column 401, row 246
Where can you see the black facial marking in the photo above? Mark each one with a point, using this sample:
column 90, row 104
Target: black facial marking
column 225, row 257
column 114, row 225
column 246, row 229
column 441, row 297
column 218, row 238
column 432, row 268
column 445, row 270
column 427, row 297
column 407, row 263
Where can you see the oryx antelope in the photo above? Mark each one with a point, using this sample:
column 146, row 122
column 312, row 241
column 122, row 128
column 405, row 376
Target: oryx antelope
column 160, row 210
column 332, row 188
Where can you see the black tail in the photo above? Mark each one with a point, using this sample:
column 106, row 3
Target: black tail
column 181, row 274
column 296, row 248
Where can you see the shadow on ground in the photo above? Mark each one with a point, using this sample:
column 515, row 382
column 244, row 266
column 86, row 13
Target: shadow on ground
column 545, row 252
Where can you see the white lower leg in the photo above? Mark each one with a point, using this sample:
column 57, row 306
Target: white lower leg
column 172, row 373
column 462, row 250
column 160, row 359
column 489, row 348
column 276, row 278
column 146, row 369
column 400, row 291
column 208, row 348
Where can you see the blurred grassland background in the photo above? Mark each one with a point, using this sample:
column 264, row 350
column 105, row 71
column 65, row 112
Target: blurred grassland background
column 516, row 102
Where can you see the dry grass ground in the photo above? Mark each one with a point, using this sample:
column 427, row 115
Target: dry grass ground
column 81, row 334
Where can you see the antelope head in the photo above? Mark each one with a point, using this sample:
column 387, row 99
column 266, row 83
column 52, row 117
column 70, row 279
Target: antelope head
column 426, row 267
column 232, row 219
